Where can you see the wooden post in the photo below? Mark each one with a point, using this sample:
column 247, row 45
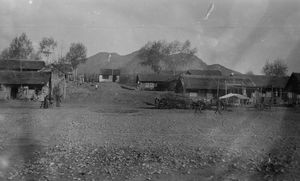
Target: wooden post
column 218, row 88
column 65, row 88
column 50, row 86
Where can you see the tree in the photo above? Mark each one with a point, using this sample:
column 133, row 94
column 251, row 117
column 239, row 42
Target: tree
column 277, row 68
column 180, row 55
column 47, row 47
column 153, row 53
column 19, row 48
column 158, row 54
column 76, row 55
column 5, row 54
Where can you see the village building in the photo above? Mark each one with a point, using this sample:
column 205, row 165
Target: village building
column 109, row 75
column 259, row 88
column 267, row 89
column 293, row 89
column 211, row 86
column 157, row 82
column 21, row 79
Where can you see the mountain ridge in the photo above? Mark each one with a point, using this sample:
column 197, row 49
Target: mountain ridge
column 131, row 64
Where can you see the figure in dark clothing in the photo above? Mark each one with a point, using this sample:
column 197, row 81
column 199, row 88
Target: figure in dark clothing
column 198, row 106
column 219, row 106
column 57, row 96
column 46, row 102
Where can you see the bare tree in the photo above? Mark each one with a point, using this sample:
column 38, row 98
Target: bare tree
column 19, row 48
column 47, row 47
column 159, row 53
column 277, row 68
column 76, row 55
column 5, row 54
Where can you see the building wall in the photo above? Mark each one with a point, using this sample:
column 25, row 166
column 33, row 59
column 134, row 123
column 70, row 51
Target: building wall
column 268, row 96
column 293, row 98
column 104, row 78
column 146, row 86
column 109, row 78
column 204, row 93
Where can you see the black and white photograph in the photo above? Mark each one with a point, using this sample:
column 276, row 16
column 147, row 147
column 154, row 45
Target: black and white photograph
column 150, row 90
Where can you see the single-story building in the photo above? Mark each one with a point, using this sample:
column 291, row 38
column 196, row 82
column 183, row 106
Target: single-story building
column 269, row 89
column 109, row 75
column 20, row 78
column 12, row 82
column 293, row 88
column 157, row 82
column 209, row 87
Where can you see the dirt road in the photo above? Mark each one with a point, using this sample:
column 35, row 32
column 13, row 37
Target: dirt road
column 99, row 141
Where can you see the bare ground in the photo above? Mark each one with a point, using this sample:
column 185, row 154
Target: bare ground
column 111, row 134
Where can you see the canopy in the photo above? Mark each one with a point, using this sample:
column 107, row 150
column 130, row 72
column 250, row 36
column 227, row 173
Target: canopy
column 234, row 95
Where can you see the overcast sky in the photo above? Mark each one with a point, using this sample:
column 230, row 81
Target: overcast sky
column 239, row 34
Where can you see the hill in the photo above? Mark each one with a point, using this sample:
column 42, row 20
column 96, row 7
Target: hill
column 224, row 70
column 130, row 64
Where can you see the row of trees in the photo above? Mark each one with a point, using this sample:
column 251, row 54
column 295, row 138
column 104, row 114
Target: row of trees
column 161, row 55
column 21, row 48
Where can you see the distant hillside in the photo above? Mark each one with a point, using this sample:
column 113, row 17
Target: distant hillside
column 131, row 64
column 101, row 60
column 224, row 70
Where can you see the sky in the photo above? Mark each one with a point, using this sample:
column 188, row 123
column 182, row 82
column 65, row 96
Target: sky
column 239, row 34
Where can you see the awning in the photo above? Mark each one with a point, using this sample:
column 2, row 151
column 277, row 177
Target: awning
column 233, row 95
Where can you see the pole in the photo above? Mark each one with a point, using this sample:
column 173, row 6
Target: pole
column 218, row 88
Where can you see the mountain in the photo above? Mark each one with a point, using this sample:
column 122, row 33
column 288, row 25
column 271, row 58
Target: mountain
column 131, row 64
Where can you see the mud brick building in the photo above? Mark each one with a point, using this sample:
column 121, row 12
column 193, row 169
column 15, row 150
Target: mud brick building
column 157, row 82
column 18, row 74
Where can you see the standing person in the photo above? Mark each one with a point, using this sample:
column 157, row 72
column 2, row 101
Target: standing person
column 218, row 105
column 43, row 97
column 46, row 102
column 57, row 95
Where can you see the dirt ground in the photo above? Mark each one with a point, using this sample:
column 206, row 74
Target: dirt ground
column 112, row 134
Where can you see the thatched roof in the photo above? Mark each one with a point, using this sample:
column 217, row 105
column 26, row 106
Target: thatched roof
column 153, row 78
column 204, row 72
column 28, row 77
column 262, row 81
column 21, row 65
column 63, row 67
